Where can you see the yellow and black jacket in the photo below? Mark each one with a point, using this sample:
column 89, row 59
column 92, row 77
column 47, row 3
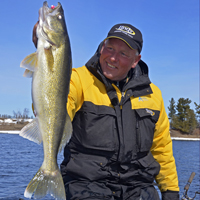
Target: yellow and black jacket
column 119, row 135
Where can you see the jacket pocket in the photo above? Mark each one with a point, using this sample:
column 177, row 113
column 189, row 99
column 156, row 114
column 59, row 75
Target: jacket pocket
column 84, row 166
column 145, row 125
column 94, row 127
column 149, row 167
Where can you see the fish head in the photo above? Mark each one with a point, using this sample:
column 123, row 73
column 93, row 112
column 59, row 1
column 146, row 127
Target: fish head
column 52, row 26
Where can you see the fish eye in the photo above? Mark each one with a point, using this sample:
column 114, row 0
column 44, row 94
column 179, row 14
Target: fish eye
column 59, row 16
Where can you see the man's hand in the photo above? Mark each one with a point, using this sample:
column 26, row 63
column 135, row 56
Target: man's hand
column 34, row 36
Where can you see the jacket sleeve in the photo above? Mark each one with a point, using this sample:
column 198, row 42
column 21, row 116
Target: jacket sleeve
column 161, row 149
column 75, row 96
column 170, row 195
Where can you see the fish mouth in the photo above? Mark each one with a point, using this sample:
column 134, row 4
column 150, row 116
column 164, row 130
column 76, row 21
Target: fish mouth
column 43, row 22
column 46, row 10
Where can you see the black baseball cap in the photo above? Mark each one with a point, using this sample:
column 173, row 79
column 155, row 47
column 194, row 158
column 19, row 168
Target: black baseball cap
column 127, row 33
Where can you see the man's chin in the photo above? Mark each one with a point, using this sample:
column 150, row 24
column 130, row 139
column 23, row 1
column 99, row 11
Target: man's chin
column 109, row 76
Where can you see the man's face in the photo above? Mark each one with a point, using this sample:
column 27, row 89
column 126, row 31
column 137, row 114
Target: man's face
column 117, row 58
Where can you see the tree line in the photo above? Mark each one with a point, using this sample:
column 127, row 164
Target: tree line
column 182, row 117
column 18, row 115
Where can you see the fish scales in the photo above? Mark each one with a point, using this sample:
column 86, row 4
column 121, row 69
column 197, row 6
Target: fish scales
column 50, row 69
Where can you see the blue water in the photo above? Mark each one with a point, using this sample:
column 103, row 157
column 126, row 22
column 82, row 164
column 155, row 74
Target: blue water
column 20, row 159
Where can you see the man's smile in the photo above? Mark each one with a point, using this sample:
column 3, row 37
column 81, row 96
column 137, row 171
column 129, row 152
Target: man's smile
column 113, row 67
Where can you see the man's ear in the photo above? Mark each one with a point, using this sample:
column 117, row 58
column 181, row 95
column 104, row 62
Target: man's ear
column 137, row 59
column 102, row 47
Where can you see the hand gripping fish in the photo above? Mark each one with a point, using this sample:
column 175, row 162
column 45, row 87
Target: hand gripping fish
column 50, row 69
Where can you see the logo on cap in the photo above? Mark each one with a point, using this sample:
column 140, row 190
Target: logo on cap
column 126, row 30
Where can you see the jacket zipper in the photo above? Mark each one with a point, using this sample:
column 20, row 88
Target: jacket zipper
column 137, row 133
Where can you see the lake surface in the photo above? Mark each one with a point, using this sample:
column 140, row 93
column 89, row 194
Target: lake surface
column 20, row 159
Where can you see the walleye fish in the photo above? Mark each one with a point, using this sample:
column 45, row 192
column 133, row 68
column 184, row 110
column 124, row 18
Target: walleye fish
column 50, row 69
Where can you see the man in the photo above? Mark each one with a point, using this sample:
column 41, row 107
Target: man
column 121, row 141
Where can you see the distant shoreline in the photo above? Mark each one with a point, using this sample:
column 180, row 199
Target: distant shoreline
column 10, row 132
column 173, row 138
column 186, row 139
column 13, row 126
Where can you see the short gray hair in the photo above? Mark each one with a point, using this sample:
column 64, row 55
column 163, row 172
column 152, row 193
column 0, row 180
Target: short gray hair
column 136, row 51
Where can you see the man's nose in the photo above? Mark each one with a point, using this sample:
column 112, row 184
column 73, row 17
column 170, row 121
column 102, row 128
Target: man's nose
column 114, row 57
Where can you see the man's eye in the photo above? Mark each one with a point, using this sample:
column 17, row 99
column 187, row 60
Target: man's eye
column 110, row 48
column 123, row 54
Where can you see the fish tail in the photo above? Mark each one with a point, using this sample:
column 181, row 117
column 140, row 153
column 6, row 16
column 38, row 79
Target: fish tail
column 46, row 182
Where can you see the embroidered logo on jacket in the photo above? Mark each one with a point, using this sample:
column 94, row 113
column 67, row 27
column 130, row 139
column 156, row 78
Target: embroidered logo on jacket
column 142, row 99
column 150, row 112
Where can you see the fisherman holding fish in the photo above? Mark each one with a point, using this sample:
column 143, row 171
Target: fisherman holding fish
column 120, row 146
column 121, row 141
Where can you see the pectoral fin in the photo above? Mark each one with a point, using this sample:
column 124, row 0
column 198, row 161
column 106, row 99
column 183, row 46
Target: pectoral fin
column 28, row 74
column 31, row 132
column 30, row 62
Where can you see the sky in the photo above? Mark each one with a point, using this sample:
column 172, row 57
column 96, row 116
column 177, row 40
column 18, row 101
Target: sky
column 170, row 31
